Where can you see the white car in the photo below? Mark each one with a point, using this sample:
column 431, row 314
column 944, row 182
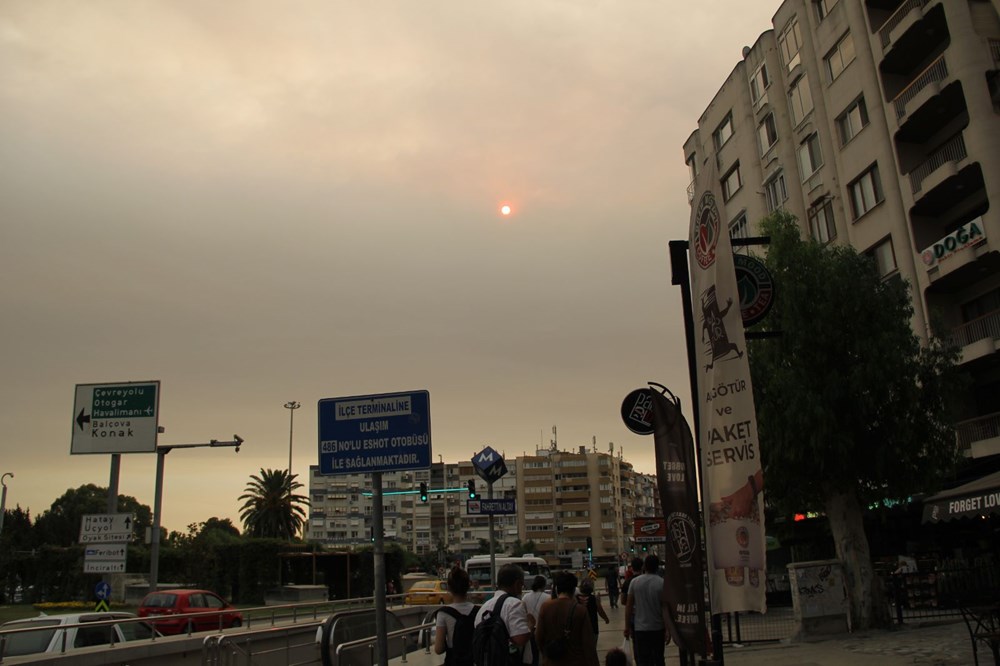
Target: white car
column 48, row 636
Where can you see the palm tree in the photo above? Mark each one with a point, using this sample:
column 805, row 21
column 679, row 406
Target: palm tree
column 271, row 509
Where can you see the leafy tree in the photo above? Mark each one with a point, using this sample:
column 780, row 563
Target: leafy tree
column 520, row 549
column 60, row 524
column 271, row 509
column 851, row 407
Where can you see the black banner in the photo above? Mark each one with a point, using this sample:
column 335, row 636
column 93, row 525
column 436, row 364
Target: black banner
column 684, row 583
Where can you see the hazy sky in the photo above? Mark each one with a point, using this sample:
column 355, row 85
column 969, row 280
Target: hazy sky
column 257, row 202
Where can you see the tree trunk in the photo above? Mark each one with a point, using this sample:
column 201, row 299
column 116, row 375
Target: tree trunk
column 868, row 608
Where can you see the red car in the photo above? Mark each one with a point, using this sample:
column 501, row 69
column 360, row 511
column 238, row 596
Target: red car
column 173, row 611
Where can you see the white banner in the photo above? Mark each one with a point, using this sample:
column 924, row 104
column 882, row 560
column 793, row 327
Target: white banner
column 730, row 452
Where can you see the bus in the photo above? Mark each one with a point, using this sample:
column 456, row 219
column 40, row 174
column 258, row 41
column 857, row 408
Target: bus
column 478, row 567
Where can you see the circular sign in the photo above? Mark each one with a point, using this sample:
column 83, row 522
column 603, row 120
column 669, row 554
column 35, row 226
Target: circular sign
column 103, row 591
column 637, row 411
column 755, row 286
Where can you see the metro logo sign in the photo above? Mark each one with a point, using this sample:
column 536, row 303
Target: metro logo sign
column 489, row 465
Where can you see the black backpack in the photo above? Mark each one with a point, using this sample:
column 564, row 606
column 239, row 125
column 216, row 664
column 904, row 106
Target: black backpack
column 460, row 652
column 491, row 644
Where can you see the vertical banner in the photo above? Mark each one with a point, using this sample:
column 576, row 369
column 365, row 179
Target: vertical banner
column 730, row 452
column 677, row 483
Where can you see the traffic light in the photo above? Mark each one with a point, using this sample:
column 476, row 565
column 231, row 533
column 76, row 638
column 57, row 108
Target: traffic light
column 472, row 489
column 423, row 492
column 645, row 548
column 590, row 545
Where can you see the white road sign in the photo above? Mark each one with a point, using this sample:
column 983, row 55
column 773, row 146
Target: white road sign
column 116, row 418
column 103, row 567
column 106, row 528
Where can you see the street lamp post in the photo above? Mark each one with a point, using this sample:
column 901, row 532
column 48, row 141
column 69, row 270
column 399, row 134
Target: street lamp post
column 3, row 497
column 291, row 406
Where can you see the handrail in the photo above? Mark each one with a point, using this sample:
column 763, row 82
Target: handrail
column 976, row 430
column 936, row 71
column 952, row 150
column 63, row 634
column 896, row 18
column 986, row 326
column 399, row 633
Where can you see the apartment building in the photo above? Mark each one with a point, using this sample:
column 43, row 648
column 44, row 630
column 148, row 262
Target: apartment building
column 877, row 124
column 562, row 498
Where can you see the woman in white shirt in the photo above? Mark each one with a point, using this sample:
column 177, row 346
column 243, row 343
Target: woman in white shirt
column 533, row 600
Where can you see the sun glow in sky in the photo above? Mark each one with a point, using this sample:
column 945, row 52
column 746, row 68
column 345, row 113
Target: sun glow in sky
column 505, row 210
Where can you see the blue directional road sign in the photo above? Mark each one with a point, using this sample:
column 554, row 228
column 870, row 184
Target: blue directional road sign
column 103, row 590
column 388, row 432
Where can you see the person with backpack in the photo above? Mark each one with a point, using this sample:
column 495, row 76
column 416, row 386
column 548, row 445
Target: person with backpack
column 564, row 635
column 593, row 605
column 455, row 622
column 502, row 631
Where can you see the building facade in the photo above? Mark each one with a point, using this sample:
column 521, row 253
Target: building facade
column 877, row 124
column 563, row 498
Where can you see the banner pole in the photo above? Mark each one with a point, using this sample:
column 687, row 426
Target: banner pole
column 680, row 276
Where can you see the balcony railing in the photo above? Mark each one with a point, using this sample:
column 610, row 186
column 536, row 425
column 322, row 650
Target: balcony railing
column 935, row 72
column 690, row 191
column 987, row 326
column 897, row 18
column 953, row 150
column 977, row 430
column 995, row 52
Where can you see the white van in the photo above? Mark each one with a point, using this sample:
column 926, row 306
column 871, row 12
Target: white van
column 478, row 567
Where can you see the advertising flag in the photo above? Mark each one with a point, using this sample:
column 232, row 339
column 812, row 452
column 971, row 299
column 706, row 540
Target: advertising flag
column 677, row 484
column 733, row 481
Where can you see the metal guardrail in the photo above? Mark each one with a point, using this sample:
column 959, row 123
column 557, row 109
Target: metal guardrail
column 897, row 18
column 952, row 150
column 269, row 616
column 933, row 73
column 977, row 430
column 987, row 326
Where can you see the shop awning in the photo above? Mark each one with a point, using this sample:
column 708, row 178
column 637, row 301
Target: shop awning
column 971, row 500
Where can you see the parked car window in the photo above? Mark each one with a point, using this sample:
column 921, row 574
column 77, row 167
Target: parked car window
column 30, row 642
column 160, row 600
column 89, row 636
column 135, row 631
column 213, row 601
column 197, row 601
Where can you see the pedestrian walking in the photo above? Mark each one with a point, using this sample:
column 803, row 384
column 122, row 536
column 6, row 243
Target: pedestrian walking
column 564, row 635
column 611, row 585
column 593, row 605
column 644, row 615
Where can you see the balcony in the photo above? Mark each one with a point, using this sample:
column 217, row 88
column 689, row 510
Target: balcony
column 950, row 152
column 995, row 52
column 935, row 72
column 986, row 327
column 893, row 22
column 980, row 436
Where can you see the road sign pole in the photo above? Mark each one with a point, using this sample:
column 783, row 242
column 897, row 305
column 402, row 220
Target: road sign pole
column 116, row 465
column 493, row 549
column 154, row 539
column 382, row 642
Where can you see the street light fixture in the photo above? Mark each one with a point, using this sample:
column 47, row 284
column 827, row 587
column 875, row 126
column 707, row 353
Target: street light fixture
column 291, row 406
column 3, row 497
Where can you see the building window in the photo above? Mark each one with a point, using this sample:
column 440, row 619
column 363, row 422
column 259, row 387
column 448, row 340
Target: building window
column 866, row 192
column 801, row 99
column 759, row 83
column 853, row 120
column 731, row 182
column 821, row 223
column 767, row 134
column 693, row 172
column 884, row 256
column 823, row 7
column 810, row 158
column 775, row 192
column 723, row 132
column 840, row 57
column 789, row 44
column 739, row 228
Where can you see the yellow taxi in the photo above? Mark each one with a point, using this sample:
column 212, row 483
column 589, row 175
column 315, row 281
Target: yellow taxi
column 428, row 592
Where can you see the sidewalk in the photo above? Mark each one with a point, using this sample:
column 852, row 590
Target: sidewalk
column 928, row 645
column 937, row 644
